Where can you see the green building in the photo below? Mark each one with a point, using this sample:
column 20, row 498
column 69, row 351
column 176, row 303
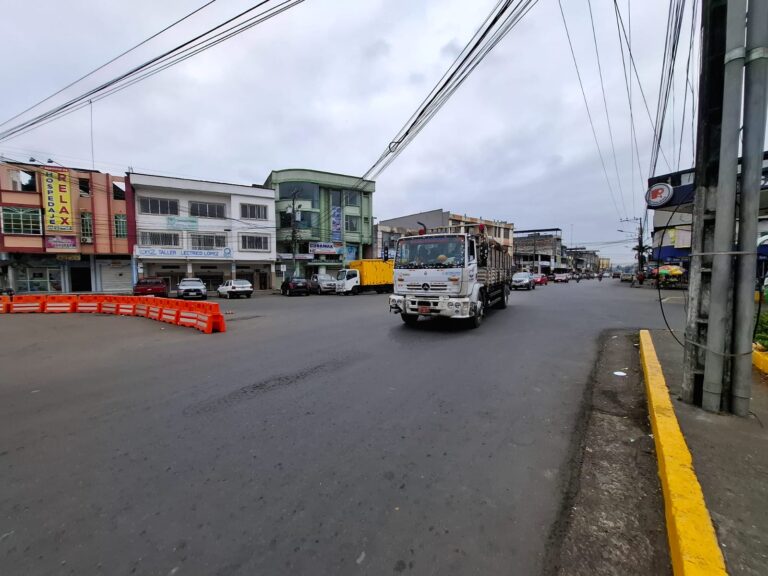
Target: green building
column 333, row 220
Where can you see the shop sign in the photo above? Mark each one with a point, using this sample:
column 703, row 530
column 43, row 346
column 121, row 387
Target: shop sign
column 658, row 195
column 58, row 200
column 146, row 252
column 182, row 223
column 289, row 256
column 336, row 214
column 61, row 242
column 326, row 248
column 68, row 257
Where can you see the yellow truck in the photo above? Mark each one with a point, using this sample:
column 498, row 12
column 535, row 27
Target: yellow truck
column 361, row 275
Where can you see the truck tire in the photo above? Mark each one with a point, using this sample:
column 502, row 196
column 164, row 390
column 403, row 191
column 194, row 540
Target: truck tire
column 477, row 320
column 355, row 290
column 501, row 304
column 409, row 319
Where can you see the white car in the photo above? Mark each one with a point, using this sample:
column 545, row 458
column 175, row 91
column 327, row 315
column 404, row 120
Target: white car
column 562, row 277
column 235, row 289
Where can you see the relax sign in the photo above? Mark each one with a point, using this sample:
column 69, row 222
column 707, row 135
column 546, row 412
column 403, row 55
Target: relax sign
column 58, row 201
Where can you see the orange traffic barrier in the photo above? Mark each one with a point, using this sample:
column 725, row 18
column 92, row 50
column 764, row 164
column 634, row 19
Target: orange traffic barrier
column 188, row 315
column 210, row 319
column 90, row 303
column 60, row 303
column 155, row 310
column 126, row 305
column 170, row 310
column 26, row 304
column 5, row 302
column 109, row 304
column 142, row 306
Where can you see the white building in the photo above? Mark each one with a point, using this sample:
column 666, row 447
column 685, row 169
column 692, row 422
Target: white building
column 210, row 230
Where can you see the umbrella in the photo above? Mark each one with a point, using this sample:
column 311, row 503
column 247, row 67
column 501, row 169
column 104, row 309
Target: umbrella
column 670, row 270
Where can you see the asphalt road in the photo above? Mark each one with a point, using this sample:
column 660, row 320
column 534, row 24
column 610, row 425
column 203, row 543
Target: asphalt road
column 317, row 436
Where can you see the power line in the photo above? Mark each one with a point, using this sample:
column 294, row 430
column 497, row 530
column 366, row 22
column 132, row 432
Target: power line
column 589, row 114
column 605, row 105
column 124, row 53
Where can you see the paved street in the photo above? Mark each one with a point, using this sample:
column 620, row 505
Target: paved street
column 317, row 436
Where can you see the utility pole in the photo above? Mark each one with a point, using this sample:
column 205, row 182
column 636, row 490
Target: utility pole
column 755, row 104
column 716, row 360
column 535, row 261
column 640, row 246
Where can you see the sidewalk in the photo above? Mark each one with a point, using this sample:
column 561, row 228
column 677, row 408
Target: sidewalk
column 730, row 457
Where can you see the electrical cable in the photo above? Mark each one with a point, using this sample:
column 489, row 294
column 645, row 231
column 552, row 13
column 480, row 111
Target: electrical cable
column 589, row 114
column 124, row 53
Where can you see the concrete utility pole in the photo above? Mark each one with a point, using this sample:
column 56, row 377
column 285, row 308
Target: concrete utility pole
column 713, row 14
column 716, row 361
column 755, row 105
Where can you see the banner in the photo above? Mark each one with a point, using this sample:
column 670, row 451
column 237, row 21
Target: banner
column 182, row 223
column 58, row 201
column 61, row 242
column 336, row 223
column 326, row 248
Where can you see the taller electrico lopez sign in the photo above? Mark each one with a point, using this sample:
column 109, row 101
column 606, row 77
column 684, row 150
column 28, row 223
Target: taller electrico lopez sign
column 58, row 201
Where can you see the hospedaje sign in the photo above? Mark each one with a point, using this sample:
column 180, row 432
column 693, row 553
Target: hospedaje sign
column 58, row 201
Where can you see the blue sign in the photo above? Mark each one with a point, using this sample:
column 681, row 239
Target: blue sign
column 141, row 252
column 336, row 215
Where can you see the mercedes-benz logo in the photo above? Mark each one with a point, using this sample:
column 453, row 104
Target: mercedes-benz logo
column 425, row 287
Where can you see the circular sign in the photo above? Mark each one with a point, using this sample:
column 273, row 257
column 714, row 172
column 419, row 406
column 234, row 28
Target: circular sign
column 658, row 195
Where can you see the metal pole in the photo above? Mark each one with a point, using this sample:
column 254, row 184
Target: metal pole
column 714, row 369
column 755, row 104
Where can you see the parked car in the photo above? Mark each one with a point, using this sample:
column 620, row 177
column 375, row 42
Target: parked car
column 540, row 279
column 191, row 288
column 292, row 286
column 235, row 289
column 551, row 277
column 322, row 284
column 151, row 287
column 616, row 274
column 626, row 276
column 562, row 277
column 523, row 281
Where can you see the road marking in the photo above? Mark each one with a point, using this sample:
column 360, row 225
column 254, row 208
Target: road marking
column 692, row 541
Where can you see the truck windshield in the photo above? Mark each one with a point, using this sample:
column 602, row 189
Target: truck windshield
column 341, row 275
column 430, row 252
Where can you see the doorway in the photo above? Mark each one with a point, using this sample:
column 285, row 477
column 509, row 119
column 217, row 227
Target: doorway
column 263, row 280
column 80, row 279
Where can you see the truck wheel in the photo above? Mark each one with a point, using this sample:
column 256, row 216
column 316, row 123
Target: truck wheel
column 355, row 290
column 409, row 319
column 504, row 299
column 478, row 318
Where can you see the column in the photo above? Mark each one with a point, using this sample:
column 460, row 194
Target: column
column 233, row 270
column 190, row 272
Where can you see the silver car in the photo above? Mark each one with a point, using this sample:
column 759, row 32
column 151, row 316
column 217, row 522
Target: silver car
column 191, row 288
column 523, row 281
column 322, row 284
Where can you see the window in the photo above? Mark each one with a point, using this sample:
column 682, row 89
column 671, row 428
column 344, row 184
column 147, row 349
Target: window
column 305, row 220
column 118, row 191
column 206, row 210
column 352, row 198
column 159, row 239
column 208, row 241
column 121, row 226
column 160, row 206
column 22, row 221
column 84, row 184
column 86, row 225
column 23, row 181
column 254, row 242
column 39, row 280
column 307, row 193
column 253, row 211
column 352, row 223
column 285, row 220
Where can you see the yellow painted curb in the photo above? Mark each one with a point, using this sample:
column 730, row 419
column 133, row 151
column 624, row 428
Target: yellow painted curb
column 760, row 360
column 692, row 541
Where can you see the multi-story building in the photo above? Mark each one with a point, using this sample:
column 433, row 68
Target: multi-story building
column 604, row 264
column 583, row 260
column 323, row 218
column 64, row 229
column 501, row 231
column 210, row 230
column 540, row 250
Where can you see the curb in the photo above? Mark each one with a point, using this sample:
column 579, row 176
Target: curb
column 693, row 545
column 760, row 361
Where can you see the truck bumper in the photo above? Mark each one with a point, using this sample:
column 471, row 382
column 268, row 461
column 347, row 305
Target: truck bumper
column 432, row 306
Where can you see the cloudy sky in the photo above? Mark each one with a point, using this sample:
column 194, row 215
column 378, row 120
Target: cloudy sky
column 327, row 84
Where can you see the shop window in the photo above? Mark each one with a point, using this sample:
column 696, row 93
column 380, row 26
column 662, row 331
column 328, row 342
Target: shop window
column 208, row 241
column 206, row 209
column 160, row 206
column 159, row 239
column 121, row 226
column 352, row 223
column 254, row 242
column 352, row 198
column 23, row 180
column 118, row 191
column 39, row 280
column 84, row 185
column 253, row 211
column 22, row 221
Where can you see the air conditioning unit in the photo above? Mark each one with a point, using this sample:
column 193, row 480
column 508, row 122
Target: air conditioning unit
column 86, row 239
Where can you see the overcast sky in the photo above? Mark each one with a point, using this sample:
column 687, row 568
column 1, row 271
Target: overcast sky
column 327, row 84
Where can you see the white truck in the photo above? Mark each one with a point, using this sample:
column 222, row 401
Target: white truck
column 451, row 274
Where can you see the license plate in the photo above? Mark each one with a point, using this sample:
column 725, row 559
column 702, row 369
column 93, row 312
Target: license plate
column 424, row 309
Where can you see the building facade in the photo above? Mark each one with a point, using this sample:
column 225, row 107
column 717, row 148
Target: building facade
column 209, row 230
column 499, row 230
column 540, row 251
column 326, row 219
column 64, row 230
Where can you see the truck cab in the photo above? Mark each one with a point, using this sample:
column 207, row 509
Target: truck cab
column 348, row 281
